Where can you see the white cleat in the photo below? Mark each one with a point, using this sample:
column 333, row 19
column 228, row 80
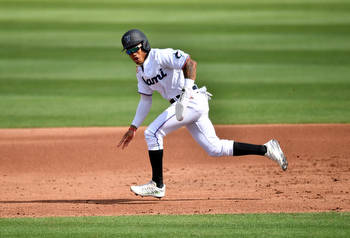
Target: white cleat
column 149, row 190
column 275, row 153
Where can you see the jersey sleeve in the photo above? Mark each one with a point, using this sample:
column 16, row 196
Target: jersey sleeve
column 171, row 58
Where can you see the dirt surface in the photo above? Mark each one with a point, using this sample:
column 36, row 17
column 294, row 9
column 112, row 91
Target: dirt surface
column 80, row 172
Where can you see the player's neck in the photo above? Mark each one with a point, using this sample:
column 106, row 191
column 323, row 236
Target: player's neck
column 144, row 61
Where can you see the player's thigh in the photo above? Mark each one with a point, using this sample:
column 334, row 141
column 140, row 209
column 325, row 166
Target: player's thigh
column 166, row 122
column 203, row 131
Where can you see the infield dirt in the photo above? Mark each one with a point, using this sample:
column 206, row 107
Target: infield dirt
column 81, row 172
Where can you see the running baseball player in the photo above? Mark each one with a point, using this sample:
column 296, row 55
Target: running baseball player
column 173, row 73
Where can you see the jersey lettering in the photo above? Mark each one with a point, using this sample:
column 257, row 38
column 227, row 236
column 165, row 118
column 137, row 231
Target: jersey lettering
column 154, row 79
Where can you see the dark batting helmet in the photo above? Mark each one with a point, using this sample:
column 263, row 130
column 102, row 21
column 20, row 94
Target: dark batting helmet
column 134, row 37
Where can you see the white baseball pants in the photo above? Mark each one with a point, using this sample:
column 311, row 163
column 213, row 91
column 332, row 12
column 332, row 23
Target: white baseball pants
column 196, row 121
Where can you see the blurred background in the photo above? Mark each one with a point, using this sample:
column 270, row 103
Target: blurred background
column 265, row 61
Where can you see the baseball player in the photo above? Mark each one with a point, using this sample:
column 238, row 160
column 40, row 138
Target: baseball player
column 173, row 73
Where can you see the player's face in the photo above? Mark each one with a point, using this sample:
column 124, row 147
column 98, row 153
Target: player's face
column 137, row 54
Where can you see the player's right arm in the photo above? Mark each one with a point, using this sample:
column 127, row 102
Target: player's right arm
column 142, row 111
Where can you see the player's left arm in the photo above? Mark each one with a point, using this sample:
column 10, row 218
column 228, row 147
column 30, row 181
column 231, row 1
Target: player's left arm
column 142, row 110
column 190, row 69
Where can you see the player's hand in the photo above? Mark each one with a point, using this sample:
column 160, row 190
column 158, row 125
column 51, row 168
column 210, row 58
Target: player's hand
column 127, row 137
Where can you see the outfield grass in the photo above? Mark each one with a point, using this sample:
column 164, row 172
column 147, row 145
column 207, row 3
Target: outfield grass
column 249, row 225
column 265, row 61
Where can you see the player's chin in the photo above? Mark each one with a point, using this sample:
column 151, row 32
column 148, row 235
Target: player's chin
column 138, row 62
column 135, row 59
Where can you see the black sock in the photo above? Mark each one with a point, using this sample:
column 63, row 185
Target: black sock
column 156, row 158
column 248, row 149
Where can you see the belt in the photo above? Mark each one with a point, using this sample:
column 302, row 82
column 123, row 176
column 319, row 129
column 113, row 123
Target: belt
column 172, row 100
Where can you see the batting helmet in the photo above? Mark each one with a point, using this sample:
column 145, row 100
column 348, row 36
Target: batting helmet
column 134, row 37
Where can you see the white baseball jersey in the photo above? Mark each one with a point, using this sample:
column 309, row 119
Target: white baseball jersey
column 162, row 72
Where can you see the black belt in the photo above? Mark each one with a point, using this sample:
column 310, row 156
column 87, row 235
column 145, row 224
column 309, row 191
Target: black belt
column 172, row 100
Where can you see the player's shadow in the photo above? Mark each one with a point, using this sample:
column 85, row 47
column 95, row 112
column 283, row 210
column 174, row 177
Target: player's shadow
column 139, row 201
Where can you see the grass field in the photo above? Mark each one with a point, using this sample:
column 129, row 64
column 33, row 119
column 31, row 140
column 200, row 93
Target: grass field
column 249, row 225
column 265, row 61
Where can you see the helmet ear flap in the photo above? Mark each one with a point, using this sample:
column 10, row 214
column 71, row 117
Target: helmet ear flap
column 145, row 46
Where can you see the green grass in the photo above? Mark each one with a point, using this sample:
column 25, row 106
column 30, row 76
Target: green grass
column 249, row 225
column 265, row 61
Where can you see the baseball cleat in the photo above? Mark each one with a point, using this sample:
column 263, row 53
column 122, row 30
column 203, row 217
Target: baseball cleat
column 149, row 190
column 275, row 153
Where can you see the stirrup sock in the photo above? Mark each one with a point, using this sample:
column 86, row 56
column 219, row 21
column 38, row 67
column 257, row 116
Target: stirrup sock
column 248, row 149
column 156, row 158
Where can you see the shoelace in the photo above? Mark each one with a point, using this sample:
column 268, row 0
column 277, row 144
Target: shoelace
column 149, row 188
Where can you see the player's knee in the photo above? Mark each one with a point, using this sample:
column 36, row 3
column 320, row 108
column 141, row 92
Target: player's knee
column 219, row 148
column 214, row 152
column 214, row 148
column 150, row 135
column 153, row 140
